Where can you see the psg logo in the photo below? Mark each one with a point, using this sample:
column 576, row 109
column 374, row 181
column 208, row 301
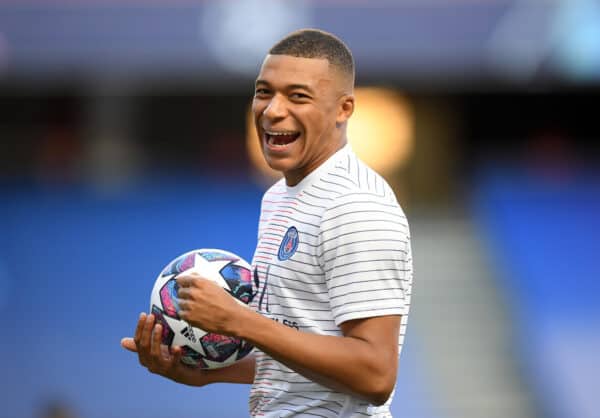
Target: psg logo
column 288, row 244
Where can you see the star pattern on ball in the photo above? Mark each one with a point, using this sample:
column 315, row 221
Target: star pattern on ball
column 185, row 334
column 212, row 269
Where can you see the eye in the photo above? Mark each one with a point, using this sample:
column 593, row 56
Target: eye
column 299, row 96
column 261, row 92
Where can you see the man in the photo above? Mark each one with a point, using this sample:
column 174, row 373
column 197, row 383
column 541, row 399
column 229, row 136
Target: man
column 333, row 256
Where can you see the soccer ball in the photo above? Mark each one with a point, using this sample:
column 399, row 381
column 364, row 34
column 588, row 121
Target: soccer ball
column 200, row 348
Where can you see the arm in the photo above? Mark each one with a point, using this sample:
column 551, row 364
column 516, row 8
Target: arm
column 157, row 359
column 363, row 362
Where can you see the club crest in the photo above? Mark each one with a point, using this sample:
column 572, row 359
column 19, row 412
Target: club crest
column 289, row 244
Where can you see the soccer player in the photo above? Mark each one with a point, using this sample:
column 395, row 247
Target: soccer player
column 333, row 257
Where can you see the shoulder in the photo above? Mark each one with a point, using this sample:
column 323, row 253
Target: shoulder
column 361, row 208
column 358, row 190
column 369, row 192
column 351, row 176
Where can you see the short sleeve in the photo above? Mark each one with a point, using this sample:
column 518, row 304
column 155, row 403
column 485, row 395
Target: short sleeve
column 365, row 254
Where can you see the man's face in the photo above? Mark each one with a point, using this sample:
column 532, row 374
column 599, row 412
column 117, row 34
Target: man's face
column 297, row 104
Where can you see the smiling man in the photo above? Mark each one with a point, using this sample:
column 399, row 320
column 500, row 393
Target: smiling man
column 332, row 263
column 302, row 102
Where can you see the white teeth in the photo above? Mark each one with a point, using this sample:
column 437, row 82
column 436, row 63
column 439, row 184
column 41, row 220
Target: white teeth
column 280, row 133
column 272, row 141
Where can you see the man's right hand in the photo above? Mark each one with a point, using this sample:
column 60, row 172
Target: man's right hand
column 161, row 360
column 157, row 357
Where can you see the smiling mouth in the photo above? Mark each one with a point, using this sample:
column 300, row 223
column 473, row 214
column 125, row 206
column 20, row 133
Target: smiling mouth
column 280, row 139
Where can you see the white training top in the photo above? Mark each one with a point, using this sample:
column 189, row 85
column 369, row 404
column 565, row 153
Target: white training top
column 335, row 247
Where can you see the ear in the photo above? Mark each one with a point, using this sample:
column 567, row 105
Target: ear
column 345, row 109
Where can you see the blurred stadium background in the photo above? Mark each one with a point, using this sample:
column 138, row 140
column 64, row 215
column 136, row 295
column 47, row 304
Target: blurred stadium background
column 124, row 142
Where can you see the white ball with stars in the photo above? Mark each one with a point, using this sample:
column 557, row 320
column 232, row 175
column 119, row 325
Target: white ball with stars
column 200, row 348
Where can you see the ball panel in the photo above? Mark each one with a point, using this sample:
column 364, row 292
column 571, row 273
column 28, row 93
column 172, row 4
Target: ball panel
column 181, row 263
column 239, row 280
column 218, row 255
column 219, row 347
column 192, row 358
column 245, row 349
column 168, row 298
column 167, row 332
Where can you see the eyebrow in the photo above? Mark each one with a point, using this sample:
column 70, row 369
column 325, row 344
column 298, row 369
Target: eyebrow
column 290, row 87
column 300, row 87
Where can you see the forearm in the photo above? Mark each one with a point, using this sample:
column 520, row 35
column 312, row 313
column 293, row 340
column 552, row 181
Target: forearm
column 348, row 364
column 239, row 372
column 362, row 362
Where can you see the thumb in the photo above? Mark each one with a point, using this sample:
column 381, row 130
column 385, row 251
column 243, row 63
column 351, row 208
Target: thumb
column 129, row 344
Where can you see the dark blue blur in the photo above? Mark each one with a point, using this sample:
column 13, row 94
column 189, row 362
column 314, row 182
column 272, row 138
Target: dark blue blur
column 543, row 230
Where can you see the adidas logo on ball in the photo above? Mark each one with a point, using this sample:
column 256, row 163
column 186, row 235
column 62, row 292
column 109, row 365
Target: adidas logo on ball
column 188, row 332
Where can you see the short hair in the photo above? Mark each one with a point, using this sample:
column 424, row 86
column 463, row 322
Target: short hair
column 315, row 43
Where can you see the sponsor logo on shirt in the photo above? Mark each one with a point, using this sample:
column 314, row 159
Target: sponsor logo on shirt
column 289, row 244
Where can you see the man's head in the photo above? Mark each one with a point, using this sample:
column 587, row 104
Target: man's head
column 302, row 101
column 314, row 43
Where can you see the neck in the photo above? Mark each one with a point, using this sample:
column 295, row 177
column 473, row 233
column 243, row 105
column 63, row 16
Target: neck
column 292, row 178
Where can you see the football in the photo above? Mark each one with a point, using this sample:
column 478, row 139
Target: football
column 200, row 348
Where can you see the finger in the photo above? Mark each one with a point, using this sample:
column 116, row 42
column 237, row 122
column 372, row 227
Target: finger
column 164, row 352
column 182, row 314
column 184, row 280
column 147, row 332
column 183, row 293
column 182, row 304
column 129, row 344
column 139, row 328
column 176, row 354
column 189, row 278
column 156, row 341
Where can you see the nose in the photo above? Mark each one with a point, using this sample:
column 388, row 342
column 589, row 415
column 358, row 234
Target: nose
column 276, row 108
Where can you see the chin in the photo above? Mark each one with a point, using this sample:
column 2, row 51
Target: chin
column 278, row 165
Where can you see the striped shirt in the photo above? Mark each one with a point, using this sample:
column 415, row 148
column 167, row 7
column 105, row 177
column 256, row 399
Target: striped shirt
column 333, row 248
